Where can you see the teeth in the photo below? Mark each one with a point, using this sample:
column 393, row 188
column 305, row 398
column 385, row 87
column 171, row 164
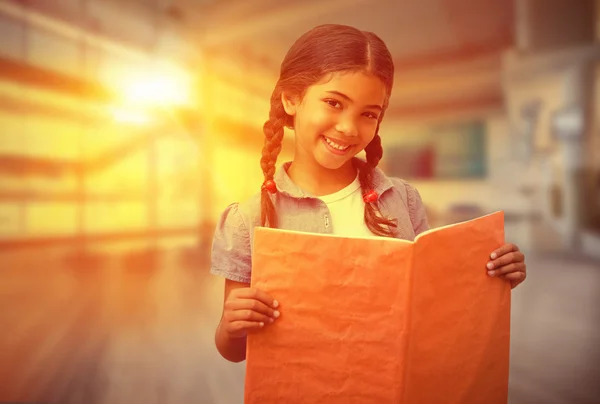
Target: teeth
column 335, row 145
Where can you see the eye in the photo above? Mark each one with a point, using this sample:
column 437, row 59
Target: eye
column 333, row 103
column 371, row 115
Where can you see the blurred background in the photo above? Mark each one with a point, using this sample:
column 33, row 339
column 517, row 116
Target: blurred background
column 127, row 126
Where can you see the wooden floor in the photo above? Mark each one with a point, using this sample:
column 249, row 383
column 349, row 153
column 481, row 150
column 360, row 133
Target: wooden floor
column 141, row 331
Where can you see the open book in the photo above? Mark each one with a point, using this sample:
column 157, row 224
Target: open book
column 378, row 320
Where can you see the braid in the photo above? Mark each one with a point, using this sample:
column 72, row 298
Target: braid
column 377, row 224
column 273, row 130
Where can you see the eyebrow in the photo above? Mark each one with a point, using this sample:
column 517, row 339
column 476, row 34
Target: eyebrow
column 350, row 99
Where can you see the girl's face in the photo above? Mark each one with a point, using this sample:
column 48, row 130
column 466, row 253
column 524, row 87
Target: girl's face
column 337, row 117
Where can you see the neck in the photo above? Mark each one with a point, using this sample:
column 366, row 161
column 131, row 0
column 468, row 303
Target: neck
column 318, row 180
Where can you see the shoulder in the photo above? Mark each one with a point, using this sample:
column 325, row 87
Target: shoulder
column 402, row 188
column 232, row 245
column 240, row 217
column 414, row 203
column 249, row 211
column 395, row 186
column 405, row 188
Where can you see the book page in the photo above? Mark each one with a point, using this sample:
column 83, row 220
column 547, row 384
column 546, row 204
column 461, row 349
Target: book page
column 460, row 317
column 342, row 328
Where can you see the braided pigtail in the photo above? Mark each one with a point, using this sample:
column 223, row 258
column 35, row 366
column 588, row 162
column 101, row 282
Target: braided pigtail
column 374, row 221
column 273, row 130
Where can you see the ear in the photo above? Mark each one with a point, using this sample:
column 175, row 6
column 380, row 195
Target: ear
column 290, row 104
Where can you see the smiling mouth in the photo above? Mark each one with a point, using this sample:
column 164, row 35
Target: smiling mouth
column 336, row 146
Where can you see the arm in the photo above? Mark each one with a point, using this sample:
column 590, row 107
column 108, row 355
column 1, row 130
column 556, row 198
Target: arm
column 244, row 310
column 232, row 349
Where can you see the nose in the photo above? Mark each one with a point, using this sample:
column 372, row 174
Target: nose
column 346, row 126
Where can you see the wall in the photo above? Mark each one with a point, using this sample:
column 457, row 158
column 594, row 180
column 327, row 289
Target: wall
column 497, row 191
column 556, row 170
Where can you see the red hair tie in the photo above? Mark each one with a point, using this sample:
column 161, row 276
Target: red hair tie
column 370, row 196
column 270, row 186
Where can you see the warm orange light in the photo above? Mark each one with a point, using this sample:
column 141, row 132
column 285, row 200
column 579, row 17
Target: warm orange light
column 128, row 116
column 165, row 87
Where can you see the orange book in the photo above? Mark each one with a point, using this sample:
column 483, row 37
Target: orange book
column 379, row 320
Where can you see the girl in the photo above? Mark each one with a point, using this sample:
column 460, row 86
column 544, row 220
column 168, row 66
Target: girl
column 333, row 90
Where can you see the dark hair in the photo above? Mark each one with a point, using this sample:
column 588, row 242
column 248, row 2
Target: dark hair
column 327, row 49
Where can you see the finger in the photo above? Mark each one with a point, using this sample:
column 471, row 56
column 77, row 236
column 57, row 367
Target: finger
column 515, row 276
column 248, row 315
column 506, row 269
column 256, row 294
column 506, row 259
column 251, row 304
column 239, row 326
column 505, row 249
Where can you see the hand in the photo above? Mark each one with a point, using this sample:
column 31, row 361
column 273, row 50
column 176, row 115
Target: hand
column 247, row 309
column 508, row 263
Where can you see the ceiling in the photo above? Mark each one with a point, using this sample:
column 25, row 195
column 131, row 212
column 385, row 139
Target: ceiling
column 414, row 30
column 447, row 52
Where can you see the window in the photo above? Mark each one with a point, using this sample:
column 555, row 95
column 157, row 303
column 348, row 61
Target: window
column 450, row 151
